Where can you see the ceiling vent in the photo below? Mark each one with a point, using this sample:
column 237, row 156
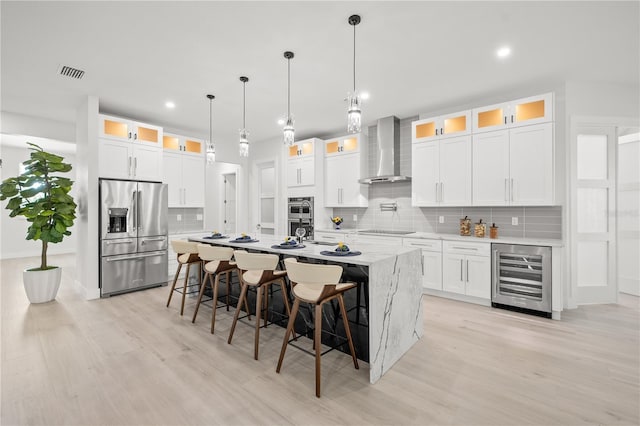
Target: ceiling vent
column 70, row 72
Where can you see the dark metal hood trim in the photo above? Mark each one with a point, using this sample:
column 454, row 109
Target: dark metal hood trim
column 387, row 147
column 385, row 179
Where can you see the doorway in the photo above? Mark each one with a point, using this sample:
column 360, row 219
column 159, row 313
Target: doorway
column 266, row 198
column 230, row 203
column 628, row 195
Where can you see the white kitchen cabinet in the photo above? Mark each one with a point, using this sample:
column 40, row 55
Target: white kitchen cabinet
column 521, row 112
column 301, row 164
column 332, row 237
column 431, row 261
column 301, row 171
column 184, row 176
column 344, row 160
column 124, row 130
column 183, row 144
column 441, row 172
column 466, row 268
column 126, row 160
column 456, row 124
column 514, row 166
column 344, row 144
column 129, row 149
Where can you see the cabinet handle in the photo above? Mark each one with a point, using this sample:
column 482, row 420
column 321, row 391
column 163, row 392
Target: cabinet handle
column 441, row 132
column 505, row 119
column 422, row 262
column 463, row 248
column 512, row 190
column 467, row 270
column 129, row 173
column 506, row 191
column 512, row 118
column 441, row 192
column 135, row 166
column 129, row 135
column 460, row 269
column 135, row 136
column 437, row 192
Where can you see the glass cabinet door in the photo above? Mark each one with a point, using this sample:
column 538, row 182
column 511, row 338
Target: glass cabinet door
column 193, row 146
column 147, row 133
column 171, row 142
column 424, row 130
column 114, row 128
column 537, row 109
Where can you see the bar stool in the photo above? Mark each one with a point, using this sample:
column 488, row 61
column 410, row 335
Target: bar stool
column 217, row 262
column 316, row 284
column 187, row 253
column 258, row 270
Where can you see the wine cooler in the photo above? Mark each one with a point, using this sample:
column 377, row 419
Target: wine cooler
column 521, row 278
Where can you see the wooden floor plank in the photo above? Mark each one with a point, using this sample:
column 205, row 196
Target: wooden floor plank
column 129, row 360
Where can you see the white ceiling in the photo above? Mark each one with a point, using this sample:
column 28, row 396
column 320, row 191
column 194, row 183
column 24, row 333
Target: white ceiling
column 412, row 57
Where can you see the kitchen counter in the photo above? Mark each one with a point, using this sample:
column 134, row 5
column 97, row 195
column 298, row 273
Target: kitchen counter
column 395, row 292
column 454, row 237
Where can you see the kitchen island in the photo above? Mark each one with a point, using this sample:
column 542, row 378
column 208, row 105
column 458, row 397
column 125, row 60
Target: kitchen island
column 395, row 292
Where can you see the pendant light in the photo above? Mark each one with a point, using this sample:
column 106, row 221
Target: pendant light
column 354, row 109
column 288, row 130
column 244, row 140
column 211, row 148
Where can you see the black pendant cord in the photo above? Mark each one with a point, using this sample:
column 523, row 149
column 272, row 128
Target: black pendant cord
column 244, row 104
column 354, row 59
column 288, row 88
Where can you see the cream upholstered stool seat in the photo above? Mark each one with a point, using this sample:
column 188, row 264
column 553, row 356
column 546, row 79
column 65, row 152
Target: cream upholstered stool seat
column 258, row 270
column 316, row 284
column 217, row 261
column 187, row 253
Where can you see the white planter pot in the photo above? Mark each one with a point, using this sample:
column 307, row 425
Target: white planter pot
column 41, row 286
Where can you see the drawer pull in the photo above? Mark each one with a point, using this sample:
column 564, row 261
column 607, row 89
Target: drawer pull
column 464, row 248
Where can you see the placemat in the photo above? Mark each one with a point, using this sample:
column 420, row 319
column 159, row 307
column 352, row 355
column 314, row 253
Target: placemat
column 340, row 253
column 287, row 246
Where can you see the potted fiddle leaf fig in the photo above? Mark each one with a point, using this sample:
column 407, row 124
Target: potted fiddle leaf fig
column 41, row 195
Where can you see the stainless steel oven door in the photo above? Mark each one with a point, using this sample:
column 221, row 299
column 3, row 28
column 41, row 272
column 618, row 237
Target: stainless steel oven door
column 120, row 274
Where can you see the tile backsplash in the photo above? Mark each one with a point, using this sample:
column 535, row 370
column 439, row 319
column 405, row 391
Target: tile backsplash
column 185, row 220
column 533, row 222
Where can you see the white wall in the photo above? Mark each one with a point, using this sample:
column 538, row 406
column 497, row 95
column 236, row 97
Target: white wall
column 13, row 231
column 87, row 259
column 20, row 124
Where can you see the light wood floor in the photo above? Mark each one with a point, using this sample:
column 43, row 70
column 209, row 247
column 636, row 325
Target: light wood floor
column 129, row 360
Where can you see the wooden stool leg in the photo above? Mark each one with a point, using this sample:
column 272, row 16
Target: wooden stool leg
column 228, row 278
column 285, row 342
column 202, row 287
column 184, row 288
column 285, row 298
column 243, row 295
column 215, row 284
column 173, row 286
column 347, row 330
column 317, row 340
column 256, row 341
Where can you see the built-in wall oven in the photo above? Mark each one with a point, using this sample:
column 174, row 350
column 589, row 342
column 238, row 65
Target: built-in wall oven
column 521, row 278
column 300, row 215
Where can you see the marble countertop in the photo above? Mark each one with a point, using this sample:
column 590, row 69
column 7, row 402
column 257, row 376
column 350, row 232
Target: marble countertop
column 370, row 253
column 453, row 237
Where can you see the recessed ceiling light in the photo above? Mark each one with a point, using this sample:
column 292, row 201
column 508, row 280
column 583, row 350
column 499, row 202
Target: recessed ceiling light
column 281, row 121
column 503, row 52
column 169, row 104
column 364, row 95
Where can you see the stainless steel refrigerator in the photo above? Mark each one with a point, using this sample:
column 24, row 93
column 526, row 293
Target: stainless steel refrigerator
column 133, row 236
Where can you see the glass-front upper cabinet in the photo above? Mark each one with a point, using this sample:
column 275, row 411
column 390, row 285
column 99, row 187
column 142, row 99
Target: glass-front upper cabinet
column 186, row 145
column 342, row 145
column 300, row 149
column 129, row 131
column 522, row 112
column 444, row 126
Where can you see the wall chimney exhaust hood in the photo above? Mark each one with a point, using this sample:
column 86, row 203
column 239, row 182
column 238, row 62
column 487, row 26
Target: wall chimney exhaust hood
column 388, row 149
